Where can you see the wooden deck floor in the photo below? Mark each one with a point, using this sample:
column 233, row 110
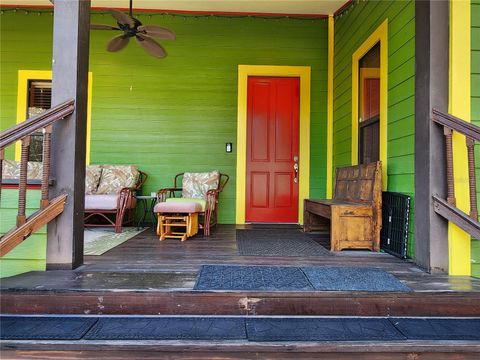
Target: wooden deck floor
column 144, row 276
column 145, row 253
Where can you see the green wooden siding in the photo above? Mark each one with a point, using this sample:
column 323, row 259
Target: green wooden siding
column 31, row 254
column 475, row 112
column 174, row 115
column 351, row 29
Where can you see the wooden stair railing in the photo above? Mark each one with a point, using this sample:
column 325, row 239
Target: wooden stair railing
column 49, row 209
column 447, row 208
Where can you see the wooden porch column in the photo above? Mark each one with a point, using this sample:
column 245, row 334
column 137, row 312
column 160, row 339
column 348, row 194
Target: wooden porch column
column 431, row 91
column 69, row 81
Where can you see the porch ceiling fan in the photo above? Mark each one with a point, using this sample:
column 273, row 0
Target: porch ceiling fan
column 132, row 27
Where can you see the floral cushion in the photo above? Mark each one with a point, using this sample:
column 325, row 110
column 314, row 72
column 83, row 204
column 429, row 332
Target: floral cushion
column 11, row 170
column 92, row 178
column 196, row 185
column 116, row 177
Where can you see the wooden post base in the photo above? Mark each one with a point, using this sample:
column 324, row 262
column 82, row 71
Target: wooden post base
column 166, row 223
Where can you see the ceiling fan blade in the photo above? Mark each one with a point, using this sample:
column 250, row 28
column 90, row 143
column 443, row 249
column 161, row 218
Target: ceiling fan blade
column 103, row 27
column 122, row 18
column 118, row 43
column 150, row 46
column 157, row 31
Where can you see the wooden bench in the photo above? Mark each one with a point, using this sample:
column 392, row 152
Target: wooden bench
column 354, row 215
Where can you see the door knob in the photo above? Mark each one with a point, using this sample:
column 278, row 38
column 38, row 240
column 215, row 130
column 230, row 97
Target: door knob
column 295, row 167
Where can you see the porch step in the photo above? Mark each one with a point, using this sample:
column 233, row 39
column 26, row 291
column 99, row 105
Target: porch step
column 71, row 292
column 239, row 337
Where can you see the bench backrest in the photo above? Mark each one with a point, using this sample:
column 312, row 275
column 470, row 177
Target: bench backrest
column 359, row 184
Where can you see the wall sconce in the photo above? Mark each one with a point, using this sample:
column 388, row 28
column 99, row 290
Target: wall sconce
column 228, row 147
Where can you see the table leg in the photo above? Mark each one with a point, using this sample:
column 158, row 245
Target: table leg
column 141, row 222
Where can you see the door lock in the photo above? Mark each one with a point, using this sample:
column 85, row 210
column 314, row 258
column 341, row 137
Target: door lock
column 295, row 167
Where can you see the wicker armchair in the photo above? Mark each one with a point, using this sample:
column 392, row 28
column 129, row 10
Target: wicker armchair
column 203, row 188
column 112, row 204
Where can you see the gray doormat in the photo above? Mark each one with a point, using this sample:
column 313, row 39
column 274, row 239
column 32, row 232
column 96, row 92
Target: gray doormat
column 44, row 328
column 321, row 329
column 277, row 242
column 252, row 328
column 438, row 329
column 168, row 328
column 284, row 278
column 352, row 279
column 269, row 278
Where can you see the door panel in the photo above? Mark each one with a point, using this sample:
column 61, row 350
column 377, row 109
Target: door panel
column 260, row 189
column 272, row 148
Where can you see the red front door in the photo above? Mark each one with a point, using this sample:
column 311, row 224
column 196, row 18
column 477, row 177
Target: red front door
column 272, row 149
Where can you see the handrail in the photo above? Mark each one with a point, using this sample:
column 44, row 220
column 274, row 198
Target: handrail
column 464, row 127
column 40, row 121
column 49, row 209
column 448, row 208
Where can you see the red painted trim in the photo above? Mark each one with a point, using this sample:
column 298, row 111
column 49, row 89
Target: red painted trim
column 186, row 12
column 15, row 186
column 26, row 6
column 343, row 7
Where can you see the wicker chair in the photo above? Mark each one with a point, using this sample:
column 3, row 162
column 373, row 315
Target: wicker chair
column 115, row 207
column 206, row 193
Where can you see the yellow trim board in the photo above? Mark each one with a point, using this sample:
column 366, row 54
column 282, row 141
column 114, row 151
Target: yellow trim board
column 331, row 59
column 379, row 35
column 303, row 73
column 459, row 105
column 23, row 77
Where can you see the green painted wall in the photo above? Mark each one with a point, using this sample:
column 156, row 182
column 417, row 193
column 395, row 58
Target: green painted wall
column 475, row 114
column 352, row 28
column 30, row 254
column 176, row 114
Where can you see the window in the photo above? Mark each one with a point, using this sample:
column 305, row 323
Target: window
column 370, row 67
column 34, row 95
column 39, row 99
column 369, row 106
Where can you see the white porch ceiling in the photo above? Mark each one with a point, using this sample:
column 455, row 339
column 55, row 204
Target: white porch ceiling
column 311, row 7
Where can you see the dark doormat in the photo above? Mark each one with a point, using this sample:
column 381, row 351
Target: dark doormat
column 284, row 278
column 169, row 328
column 323, row 329
column 352, row 279
column 438, row 329
column 277, row 242
column 44, row 328
column 275, row 278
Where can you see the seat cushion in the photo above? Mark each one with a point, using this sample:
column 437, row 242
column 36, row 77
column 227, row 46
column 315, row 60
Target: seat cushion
column 202, row 202
column 116, row 177
column 11, row 170
column 196, row 185
column 178, row 207
column 92, row 178
column 105, row 202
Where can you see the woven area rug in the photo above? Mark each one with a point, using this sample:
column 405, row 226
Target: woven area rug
column 99, row 240
column 278, row 242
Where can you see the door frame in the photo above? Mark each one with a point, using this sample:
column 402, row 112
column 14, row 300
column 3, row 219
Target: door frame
column 301, row 72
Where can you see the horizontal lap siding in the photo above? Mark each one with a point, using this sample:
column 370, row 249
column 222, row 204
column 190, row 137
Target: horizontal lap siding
column 30, row 254
column 475, row 112
column 176, row 114
column 351, row 30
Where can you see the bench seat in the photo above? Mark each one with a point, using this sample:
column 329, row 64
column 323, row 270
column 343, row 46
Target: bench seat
column 353, row 216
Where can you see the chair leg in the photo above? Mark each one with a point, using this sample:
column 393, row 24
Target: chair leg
column 206, row 225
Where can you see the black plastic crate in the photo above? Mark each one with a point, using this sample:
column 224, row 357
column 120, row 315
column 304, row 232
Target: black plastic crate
column 395, row 215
